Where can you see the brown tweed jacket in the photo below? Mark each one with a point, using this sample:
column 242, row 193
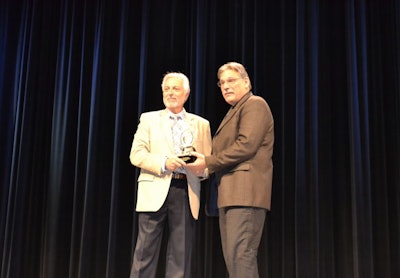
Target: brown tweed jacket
column 241, row 156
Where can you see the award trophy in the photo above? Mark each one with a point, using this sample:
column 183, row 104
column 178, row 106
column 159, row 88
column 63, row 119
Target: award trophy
column 186, row 147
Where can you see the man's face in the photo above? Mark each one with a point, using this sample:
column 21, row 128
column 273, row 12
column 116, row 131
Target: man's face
column 174, row 96
column 233, row 86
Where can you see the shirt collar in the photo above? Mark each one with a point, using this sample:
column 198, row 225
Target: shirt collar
column 181, row 114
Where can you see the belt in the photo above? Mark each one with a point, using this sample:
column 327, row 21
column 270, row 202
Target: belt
column 178, row 176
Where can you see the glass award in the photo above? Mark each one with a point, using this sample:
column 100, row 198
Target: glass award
column 186, row 147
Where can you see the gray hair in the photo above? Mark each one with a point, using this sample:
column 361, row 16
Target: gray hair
column 235, row 66
column 186, row 84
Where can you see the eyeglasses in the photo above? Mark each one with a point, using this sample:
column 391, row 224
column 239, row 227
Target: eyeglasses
column 230, row 82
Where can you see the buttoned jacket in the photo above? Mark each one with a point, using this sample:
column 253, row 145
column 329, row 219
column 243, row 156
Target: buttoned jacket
column 152, row 144
column 242, row 152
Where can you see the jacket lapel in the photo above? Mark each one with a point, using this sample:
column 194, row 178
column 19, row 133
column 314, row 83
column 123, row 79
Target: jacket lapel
column 232, row 111
column 165, row 128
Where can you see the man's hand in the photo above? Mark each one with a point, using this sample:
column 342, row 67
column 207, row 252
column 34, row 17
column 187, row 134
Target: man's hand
column 198, row 166
column 174, row 163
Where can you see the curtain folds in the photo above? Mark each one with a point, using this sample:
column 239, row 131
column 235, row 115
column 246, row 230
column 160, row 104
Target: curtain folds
column 76, row 75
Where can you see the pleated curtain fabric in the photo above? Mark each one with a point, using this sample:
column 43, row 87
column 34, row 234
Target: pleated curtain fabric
column 75, row 76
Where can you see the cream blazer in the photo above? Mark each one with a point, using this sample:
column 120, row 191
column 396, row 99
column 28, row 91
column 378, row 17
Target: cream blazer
column 152, row 144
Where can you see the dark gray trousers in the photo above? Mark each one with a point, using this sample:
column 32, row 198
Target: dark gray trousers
column 241, row 230
column 176, row 213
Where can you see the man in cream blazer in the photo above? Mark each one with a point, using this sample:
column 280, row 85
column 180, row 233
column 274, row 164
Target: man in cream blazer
column 168, row 194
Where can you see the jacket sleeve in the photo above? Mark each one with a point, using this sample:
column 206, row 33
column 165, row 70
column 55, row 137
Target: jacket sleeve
column 141, row 155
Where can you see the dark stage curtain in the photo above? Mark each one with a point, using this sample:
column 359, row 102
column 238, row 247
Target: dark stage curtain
column 75, row 76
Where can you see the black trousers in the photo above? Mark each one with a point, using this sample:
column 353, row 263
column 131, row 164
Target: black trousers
column 175, row 213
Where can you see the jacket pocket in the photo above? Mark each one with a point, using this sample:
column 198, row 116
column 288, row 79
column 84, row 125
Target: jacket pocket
column 146, row 177
column 241, row 167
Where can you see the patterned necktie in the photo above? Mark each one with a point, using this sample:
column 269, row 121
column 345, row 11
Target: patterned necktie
column 176, row 133
column 177, row 129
